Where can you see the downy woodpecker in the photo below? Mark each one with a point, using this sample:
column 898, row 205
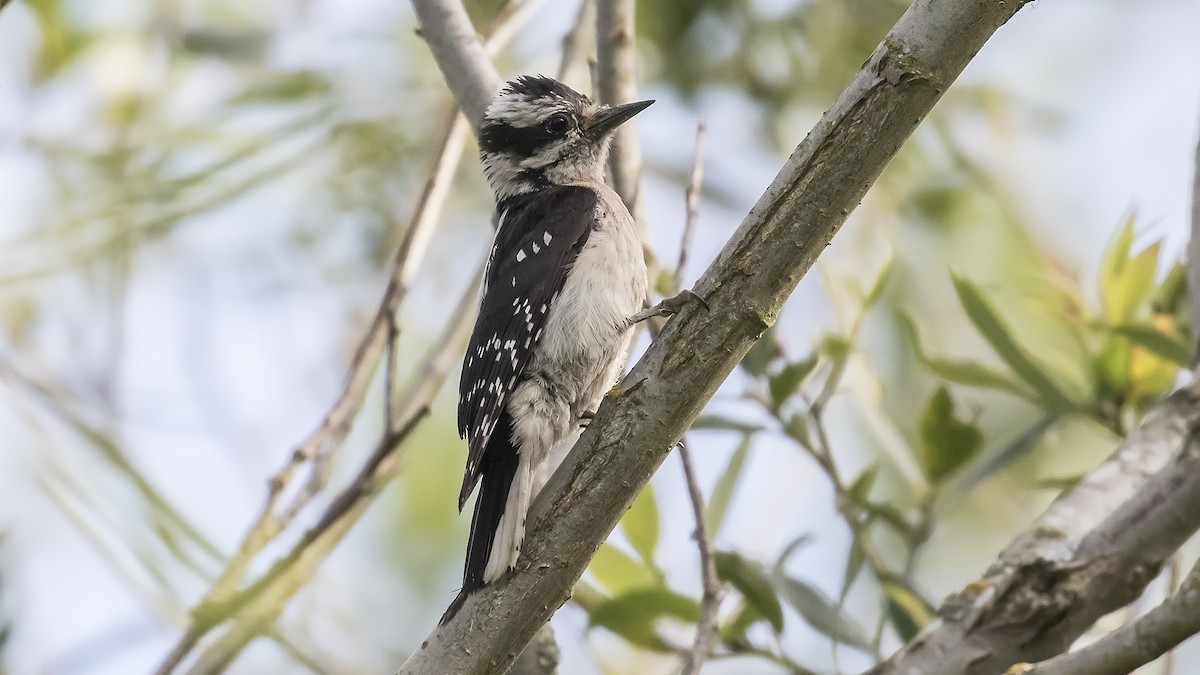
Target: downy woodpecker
column 565, row 276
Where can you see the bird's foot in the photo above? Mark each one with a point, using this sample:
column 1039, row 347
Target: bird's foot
column 668, row 306
column 585, row 418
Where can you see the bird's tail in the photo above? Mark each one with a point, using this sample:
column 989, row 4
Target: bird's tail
column 498, row 524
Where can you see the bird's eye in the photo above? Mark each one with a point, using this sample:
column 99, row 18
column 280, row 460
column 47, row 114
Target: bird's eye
column 557, row 124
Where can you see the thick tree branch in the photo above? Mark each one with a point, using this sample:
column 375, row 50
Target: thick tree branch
column 1093, row 551
column 1134, row 644
column 778, row 242
column 460, row 55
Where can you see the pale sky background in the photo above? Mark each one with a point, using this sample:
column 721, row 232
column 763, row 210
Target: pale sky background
column 216, row 314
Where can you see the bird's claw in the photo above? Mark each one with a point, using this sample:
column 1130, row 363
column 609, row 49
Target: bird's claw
column 669, row 306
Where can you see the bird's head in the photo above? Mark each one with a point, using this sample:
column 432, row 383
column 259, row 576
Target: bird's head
column 538, row 132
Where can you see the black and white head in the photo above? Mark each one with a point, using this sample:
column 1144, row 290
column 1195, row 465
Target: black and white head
column 538, row 132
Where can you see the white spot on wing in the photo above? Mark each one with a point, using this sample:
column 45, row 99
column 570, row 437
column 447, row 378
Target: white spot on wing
column 545, row 235
column 521, row 254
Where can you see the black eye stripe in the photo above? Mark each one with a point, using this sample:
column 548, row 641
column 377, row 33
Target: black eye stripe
column 522, row 141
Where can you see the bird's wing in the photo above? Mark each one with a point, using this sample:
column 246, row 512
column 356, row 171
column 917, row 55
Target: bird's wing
column 539, row 237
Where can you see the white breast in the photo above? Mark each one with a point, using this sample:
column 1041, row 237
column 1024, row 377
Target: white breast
column 604, row 287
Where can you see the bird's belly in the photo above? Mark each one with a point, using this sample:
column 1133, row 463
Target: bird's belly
column 586, row 338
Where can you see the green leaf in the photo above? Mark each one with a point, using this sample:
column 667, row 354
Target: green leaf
column 890, row 515
column 632, row 614
column 762, row 353
column 617, row 571
column 881, row 282
column 947, row 442
column 733, row 632
column 640, row 524
column 908, row 611
column 722, row 495
column 752, row 582
column 1125, row 282
column 968, row 373
column 860, row 489
column 724, row 423
column 784, row 383
column 820, row 613
column 1171, row 294
column 854, row 565
column 793, row 546
column 988, row 323
column 1173, row 348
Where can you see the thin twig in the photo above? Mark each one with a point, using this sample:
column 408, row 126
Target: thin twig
column 1174, row 576
column 616, row 82
column 710, row 602
column 713, row 591
column 575, row 42
column 256, row 609
column 692, row 203
column 389, row 376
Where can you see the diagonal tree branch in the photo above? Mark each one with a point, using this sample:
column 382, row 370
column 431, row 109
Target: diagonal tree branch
column 777, row 243
column 1135, row 644
column 1092, row 552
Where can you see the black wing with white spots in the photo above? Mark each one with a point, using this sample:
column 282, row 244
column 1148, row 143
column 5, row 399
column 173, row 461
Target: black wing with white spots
column 540, row 235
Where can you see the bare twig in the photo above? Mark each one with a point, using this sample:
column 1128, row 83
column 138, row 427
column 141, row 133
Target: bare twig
column 692, row 204
column 256, row 609
column 710, row 601
column 1134, row 644
column 616, row 82
column 1174, row 584
column 389, row 375
column 577, row 43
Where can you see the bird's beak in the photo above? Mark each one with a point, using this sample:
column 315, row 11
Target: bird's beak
column 610, row 118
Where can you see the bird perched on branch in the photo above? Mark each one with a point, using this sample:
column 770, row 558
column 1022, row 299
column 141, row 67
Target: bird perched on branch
column 566, row 279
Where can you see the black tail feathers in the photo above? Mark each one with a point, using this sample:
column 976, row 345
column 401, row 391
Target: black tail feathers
column 497, row 468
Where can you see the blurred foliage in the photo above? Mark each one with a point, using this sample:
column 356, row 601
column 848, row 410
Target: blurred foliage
column 958, row 348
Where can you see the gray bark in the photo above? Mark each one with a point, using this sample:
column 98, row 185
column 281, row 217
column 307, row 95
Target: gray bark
column 1092, row 552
